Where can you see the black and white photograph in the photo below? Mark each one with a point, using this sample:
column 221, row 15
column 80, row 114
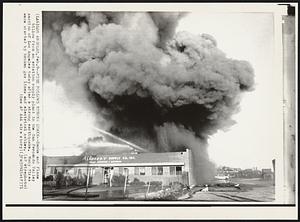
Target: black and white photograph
column 162, row 111
column 162, row 106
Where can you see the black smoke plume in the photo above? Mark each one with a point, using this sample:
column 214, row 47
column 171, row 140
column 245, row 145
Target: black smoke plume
column 161, row 89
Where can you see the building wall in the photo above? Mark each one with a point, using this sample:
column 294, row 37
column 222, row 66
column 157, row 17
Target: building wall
column 97, row 174
column 97, row 177
column 189, row 167
column 166, row 178
column 145, row 167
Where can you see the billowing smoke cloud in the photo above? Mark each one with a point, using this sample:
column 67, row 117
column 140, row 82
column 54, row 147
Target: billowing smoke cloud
column 163, row 90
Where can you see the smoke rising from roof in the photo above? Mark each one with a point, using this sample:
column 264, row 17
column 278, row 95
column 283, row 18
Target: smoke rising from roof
column 162, row 90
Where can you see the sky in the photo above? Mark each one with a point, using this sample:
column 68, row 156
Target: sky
column 251, row 142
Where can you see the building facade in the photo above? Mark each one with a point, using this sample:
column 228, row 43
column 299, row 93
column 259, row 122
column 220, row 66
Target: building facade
column 166, row 167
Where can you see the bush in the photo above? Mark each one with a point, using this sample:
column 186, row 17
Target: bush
column 49, row 184
column 156, row 183
column 49, row 178
column 118, row 180
column 177, row 186
column 60, row 180
column 78, row 181
column 137, row 182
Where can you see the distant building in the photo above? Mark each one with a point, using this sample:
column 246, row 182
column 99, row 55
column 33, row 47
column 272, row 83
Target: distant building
column 232, row 172
column 239, row 173
column 267, row 174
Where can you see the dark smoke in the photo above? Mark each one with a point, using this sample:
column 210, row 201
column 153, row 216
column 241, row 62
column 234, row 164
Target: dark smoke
column 163, row 90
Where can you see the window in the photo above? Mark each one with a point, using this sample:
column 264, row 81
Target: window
column 139, row 171
column 142, row 171
column 79, row 173
column 121, row 170
column 157, row 170
column 136, row 171
column 160, row 170
column 154, row 170
column 178, row 170
column 172, row 170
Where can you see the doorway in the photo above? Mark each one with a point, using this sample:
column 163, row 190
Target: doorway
column 107, row 175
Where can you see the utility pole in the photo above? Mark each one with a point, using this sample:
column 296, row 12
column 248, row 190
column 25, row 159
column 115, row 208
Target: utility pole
column 111, row 173
column 87, row 179
column 125, row 183
column 148, row 188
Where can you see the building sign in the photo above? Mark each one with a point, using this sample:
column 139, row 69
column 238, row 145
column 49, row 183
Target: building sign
column 142, row 158
column 109, row 159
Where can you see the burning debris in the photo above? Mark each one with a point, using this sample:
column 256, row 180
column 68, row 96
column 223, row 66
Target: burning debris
column 144, row 82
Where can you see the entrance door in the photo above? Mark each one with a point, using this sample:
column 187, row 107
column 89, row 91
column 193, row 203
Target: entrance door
column 107, row 175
